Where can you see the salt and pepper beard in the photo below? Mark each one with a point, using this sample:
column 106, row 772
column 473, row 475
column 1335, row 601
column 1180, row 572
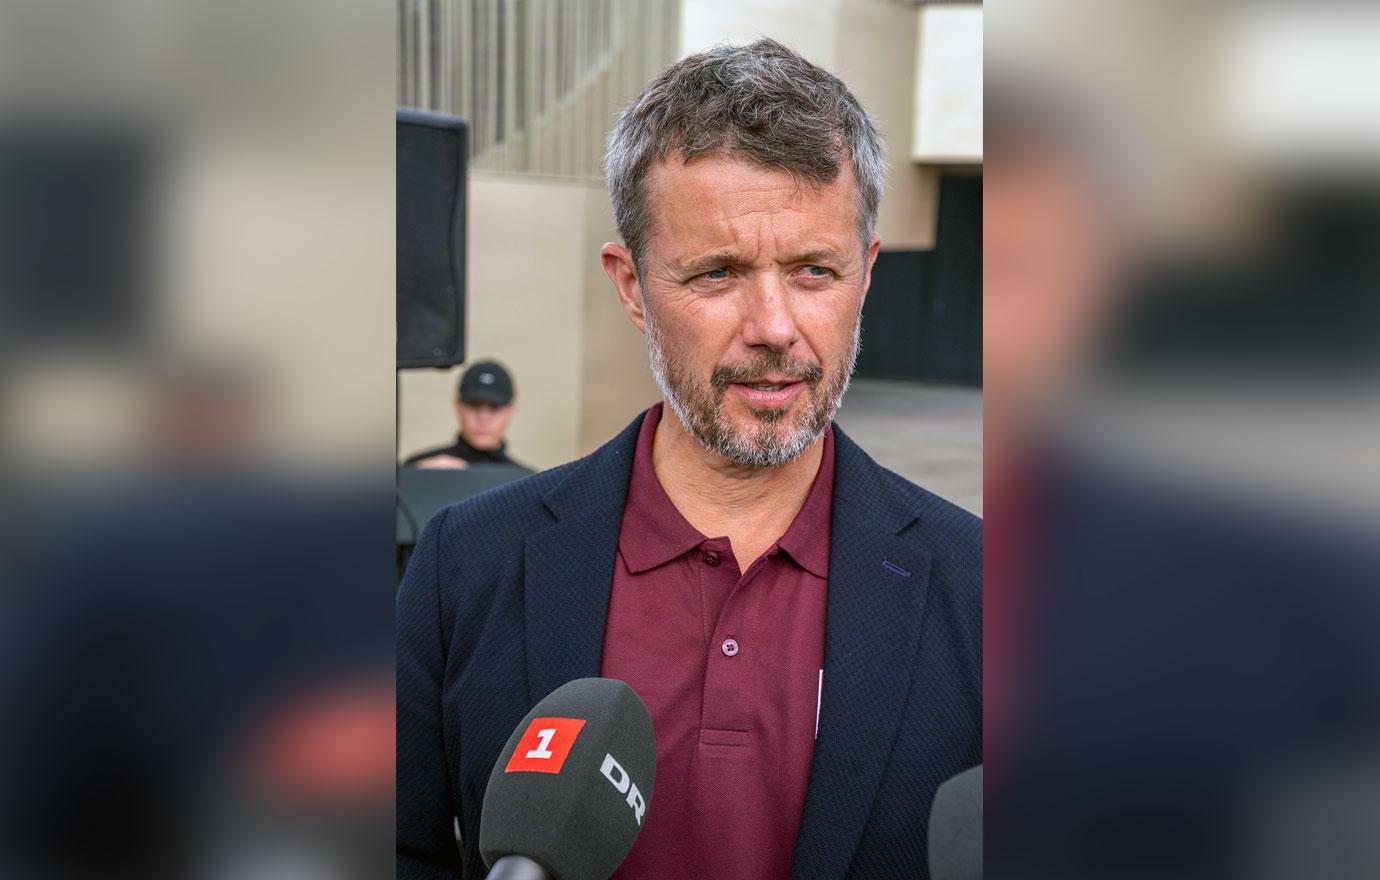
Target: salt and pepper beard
column 771, row 443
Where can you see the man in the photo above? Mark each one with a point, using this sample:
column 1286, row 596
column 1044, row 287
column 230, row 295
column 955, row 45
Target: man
column 803, row 625
column 484, row 407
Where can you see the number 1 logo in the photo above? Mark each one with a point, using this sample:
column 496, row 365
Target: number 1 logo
column 545, row 745
column 543, row 750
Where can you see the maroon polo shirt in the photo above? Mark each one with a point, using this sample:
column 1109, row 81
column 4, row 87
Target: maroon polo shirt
column 728, row 662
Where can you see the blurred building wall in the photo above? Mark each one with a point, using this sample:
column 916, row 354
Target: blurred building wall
column 266, row 263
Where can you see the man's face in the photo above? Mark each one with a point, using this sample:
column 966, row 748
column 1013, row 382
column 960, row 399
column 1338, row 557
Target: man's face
column 484, row 425
column 750, row 296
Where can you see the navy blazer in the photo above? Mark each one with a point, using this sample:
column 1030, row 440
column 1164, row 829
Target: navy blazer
column 506, row 597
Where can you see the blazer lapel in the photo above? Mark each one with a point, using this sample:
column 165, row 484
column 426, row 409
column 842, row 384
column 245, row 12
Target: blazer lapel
column 876, row 599
column 568, row 568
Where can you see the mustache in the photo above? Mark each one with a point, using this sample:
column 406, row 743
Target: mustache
column 809, row 372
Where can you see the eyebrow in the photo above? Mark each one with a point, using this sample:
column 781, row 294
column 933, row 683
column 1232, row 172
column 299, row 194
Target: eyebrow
column 710, row 262
column 821, row 255
column 728, row 258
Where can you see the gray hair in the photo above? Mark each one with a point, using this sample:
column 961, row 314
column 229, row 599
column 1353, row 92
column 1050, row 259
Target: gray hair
column 760, row 102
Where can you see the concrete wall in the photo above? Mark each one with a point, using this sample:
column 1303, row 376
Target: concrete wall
column 948, row 91
column 615, row 372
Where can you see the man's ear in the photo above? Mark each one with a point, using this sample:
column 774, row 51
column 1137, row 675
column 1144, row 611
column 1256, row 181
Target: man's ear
column 873, row 248
column 622, row 271
column 459, row 420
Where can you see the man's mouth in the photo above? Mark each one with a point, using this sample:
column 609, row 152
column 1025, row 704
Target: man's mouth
column 769, row 382
column 769, row 392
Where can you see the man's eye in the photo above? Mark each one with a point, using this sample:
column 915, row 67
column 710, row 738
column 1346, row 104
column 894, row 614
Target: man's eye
column 818, row 271
column 716, row 274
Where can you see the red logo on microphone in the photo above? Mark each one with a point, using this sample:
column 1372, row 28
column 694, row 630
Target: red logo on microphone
column 545, row 745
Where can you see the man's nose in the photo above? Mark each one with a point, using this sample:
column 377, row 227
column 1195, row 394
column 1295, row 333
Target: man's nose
column 769, row 322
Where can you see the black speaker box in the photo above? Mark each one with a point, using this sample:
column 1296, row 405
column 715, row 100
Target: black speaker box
column 432, row 154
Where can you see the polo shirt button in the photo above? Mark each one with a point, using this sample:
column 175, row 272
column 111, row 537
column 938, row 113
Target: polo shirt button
column 730, row 647
column 711, row 559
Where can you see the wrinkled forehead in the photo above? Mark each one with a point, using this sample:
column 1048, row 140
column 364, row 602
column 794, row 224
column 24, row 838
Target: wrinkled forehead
column 714, row 196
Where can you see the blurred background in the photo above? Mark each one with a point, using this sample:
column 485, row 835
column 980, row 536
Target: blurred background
column 1182, row 626
column 540, row 83
column 196, row 438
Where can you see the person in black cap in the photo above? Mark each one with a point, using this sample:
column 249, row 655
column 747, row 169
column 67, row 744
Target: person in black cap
column 484, row 407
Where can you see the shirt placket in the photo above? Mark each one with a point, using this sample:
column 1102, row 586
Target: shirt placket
column 732, row 650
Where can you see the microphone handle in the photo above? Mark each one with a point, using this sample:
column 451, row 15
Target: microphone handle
column 517, row 868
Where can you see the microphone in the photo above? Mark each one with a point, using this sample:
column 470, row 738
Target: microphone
column 571, row 788
column 956, row 828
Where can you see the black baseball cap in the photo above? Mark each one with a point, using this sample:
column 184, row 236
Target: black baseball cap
column 486, row 382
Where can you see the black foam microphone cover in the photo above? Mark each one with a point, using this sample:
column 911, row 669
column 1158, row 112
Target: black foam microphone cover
column 956, row 828
column 571, row 788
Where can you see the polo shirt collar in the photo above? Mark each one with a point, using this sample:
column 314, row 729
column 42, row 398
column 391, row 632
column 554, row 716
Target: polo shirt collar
column 654, row 532
column 807, row 538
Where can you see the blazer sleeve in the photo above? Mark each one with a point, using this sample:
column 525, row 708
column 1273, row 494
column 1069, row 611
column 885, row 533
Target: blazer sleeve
column 426, row 810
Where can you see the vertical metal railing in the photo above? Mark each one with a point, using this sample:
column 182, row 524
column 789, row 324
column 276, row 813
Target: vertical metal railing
column 540, row 81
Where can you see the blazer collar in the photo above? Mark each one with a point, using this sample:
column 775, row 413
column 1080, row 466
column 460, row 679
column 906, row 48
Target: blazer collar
column 877, row 591
column 569, row 567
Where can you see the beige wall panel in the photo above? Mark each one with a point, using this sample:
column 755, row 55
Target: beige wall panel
column 616, row 377
column 948, row 91
column 806, row 27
